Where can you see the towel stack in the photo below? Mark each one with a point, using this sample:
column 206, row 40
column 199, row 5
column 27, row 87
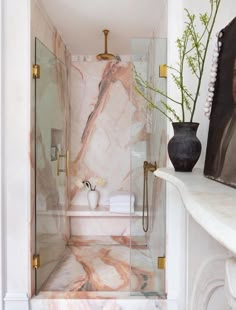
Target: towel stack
column 122, row 202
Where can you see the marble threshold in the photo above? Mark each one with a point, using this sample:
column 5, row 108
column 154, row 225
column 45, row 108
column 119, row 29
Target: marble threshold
column 104, row 268
column 104, row 304
column 211, row 204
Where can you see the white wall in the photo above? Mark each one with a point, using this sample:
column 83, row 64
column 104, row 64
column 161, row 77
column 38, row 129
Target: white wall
column 15, row 151
column 1, row 163
column 175, row 246
column 227, row 12
column 176, row 18
column 175, row 212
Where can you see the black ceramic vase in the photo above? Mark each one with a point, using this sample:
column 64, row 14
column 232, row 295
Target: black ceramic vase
column 184, row 147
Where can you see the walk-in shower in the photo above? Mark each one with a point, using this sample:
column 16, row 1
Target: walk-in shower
column 90, row 124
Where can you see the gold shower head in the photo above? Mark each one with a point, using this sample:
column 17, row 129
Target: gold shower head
column 106, row 55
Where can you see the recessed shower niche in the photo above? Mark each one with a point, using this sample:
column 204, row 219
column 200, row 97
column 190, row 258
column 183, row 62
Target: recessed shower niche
column 90, row 125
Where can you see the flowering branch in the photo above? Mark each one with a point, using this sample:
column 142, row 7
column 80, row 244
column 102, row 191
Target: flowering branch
column 192, row 50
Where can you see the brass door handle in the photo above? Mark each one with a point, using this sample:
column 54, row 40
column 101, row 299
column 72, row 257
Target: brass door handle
column 67, row 158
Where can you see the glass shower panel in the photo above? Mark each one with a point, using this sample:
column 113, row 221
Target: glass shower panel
column 148, row 143
column 50, row 162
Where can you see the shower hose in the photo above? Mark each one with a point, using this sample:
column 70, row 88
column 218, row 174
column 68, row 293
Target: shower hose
column 145, row 202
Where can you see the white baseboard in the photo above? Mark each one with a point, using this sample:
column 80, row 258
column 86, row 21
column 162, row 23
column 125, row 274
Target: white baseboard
column 16, row 301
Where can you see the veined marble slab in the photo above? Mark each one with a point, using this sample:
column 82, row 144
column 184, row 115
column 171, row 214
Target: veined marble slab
column 108, row 119
column 105, row 304
column 104, row 268
column 211, row 204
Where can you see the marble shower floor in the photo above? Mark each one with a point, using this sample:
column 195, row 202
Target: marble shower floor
column 103, row 265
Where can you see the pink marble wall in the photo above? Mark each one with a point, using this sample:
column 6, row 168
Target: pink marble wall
column 101, row 115
column 43, row 28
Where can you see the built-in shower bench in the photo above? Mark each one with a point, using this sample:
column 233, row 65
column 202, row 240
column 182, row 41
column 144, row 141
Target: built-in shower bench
column 100, row 211
column 84, row 221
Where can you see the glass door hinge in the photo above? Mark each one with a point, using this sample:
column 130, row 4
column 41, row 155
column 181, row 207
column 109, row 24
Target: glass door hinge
column 36, row 261
column 36, row 71
column 163, row 71
column 161, row 262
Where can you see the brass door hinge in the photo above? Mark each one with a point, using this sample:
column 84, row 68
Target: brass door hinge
column 161, row 262
column 163, row 71
column 36, row 71
column 36, row 261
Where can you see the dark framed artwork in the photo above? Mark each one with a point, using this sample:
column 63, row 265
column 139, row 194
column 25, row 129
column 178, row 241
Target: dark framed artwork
column 220, row 162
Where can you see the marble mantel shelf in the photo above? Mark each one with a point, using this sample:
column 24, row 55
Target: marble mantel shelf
column 211, row 204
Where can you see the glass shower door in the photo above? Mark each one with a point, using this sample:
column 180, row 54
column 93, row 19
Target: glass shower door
column 148, row 136
column 50, row 162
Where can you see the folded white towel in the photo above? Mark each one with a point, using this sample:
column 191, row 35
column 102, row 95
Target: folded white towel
column 121, row 208
column 121, row 197
column 121, row 204
column 122, row 211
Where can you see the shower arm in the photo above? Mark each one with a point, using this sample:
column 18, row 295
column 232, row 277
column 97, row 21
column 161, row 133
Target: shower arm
column 105, row 34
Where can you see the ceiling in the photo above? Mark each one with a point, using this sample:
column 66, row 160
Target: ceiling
column 80, row 23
